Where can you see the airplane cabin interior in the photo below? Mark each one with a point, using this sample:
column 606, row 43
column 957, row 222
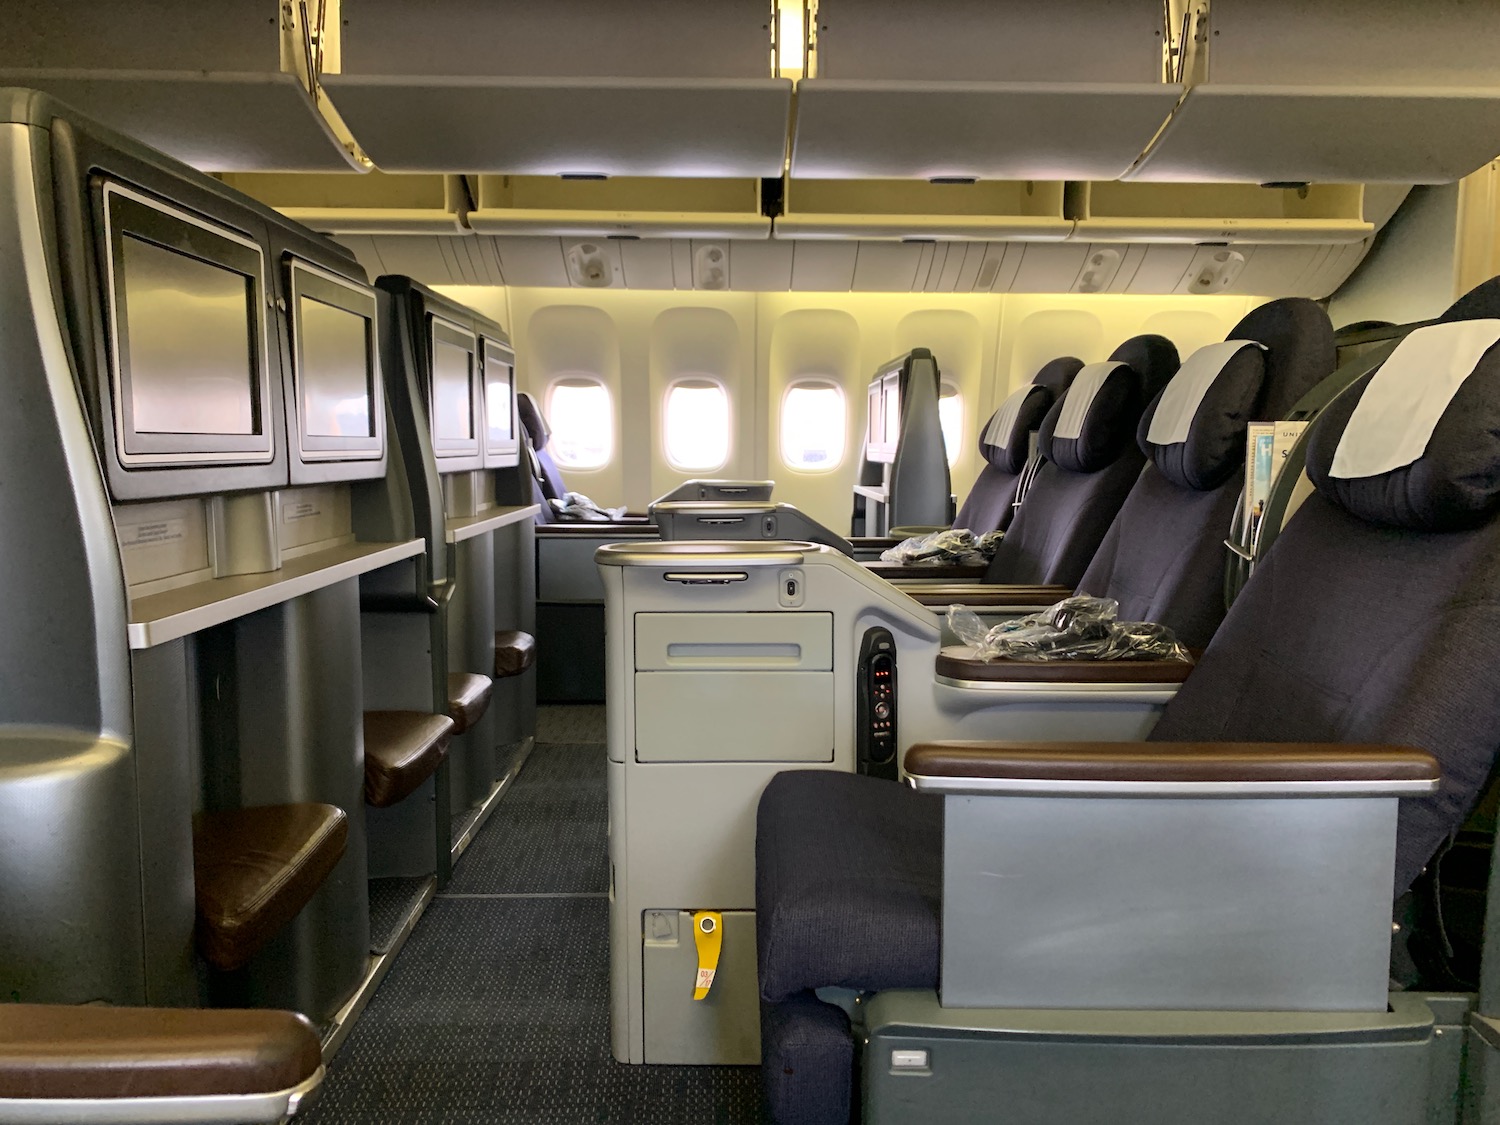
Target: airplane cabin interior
column 796, row 562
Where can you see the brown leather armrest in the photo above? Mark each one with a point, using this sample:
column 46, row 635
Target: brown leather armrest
column 468, row 699
column 515, row 651
column 1238, row 768
column 402, row 750
column 958, row 662
column 91, row 1051
column 981, row 595
column 942, row 572
column 873, row 542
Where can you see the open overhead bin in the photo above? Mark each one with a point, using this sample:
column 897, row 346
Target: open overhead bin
column 1000, row 90
column 909, row 209
column 1108, row 211
column 223, row 87
column 621, row 206
column 592, row 87
column 377, row 203
column 1376, row 91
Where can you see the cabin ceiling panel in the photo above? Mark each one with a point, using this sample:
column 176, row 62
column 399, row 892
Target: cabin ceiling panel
column 215, row 121
column 823, row 267
column 1254, row 134
column 760, row 267
column 852, row 129
column 647, row 264
column 1048, row 267
column 578, row 126
column 533, row 261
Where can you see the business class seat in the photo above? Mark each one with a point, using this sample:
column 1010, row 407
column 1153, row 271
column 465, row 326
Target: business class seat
column 1090, row 461
column 546, row 478
column 1372, row 625
column 1005, row 447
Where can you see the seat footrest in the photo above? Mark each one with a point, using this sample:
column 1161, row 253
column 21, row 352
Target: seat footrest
column 402, row 750
column 255, row 868
column 515, row 652
column 68, row 1051
column 468, row 699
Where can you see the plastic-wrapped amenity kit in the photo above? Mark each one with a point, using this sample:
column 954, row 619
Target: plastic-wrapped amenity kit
column 1076, row 628
column 577, row 506
column 952, row 547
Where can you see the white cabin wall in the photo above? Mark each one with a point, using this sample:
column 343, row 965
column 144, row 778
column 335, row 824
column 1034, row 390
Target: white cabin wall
column 757, row 344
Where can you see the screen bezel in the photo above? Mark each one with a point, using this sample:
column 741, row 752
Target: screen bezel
column 307, row 280
column 877, row 448
column 447, row 332
column 505, row 453
column 132, row 213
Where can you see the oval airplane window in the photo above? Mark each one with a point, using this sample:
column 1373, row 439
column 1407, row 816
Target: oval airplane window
column 582, row 421
column 951, row 418
column 696, row 425
column 813, row 426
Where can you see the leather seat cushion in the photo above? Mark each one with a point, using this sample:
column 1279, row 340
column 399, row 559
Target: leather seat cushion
column 848, row 884
column 92, row 1051
column 468, row 698
column 255, row 868
column 402, row 750
column 515, row 652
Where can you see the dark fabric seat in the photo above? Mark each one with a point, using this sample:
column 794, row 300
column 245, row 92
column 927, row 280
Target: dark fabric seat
column 1005, row 447
column 1374, row 619
column 1088, row 468
column 548, row 475
column 254, row 869
column 1163, row 557
column 468, row 699
column 402, row 750
column 846, row 889
column 93, row 1051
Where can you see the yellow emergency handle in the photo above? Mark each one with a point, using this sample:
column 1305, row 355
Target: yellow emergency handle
column 708, row 936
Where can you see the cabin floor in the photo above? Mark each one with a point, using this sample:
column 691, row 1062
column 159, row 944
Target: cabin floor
column 497, row 1008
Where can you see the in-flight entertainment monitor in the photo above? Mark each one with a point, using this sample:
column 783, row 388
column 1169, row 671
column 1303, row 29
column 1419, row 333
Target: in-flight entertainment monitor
column 339, row 402
column 502, row 442
column 453, row 399
column 884, row 430
column 189, row 364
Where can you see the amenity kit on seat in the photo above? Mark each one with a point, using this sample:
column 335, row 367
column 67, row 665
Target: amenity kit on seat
column 1226, row 887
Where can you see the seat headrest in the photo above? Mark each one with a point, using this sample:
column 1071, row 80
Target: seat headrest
column 1300, row 350
column 1416, row 443
column 532, row 421
column 1480, row 303
column 1153, row 358
column 1194, row 430
column 1057, row 375
column 1089, row 426
column 1005, row 441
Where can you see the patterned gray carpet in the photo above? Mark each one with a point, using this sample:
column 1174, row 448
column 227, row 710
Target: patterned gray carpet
column 497, row 1009
column 391, row 903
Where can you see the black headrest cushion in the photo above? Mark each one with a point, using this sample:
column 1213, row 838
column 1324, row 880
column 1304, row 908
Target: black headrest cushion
column 1058, row 374
column 1453, row 482
column 1097, row 417
column 1213, row 446
column 531, row 419
column 1019, row 416
column 1153, row 358
column 1300, row 350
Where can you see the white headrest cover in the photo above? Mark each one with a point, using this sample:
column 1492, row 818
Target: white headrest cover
column 1080, row 397
column 1184, row 394
column 1394, row 419
column 1004, row 420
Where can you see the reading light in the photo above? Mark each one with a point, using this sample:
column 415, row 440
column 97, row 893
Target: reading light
column 794, row 36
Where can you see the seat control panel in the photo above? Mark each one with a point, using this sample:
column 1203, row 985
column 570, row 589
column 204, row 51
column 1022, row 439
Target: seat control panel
column 877, row 704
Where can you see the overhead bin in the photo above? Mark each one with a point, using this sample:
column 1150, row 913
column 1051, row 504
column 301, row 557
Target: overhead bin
column 221, row 86
column 953, row 88
column 906, row 209
column 1128, row 212
column 376, row 203
column 639, row 206
column 658, row 88
column 1382, row 91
